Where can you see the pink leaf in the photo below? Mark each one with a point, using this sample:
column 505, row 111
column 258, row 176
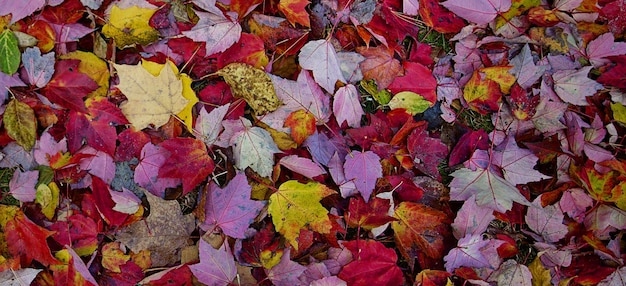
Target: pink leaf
column 125, row 201
column 347, row 107
column 572, row 86
column 7, row 81
column 20, row 9
column 575, row 202
column 364, row 169
column 546, row 221
column 517, row 163
column 602, row 47
column 616, row 278
column 490, row 190
column 286, row 272
column 471, row 219
column 100, row 164
column 217, row 31
column 230, row 208
column 467, row 253
column 524, row 68
column 146, row 172
column 478, row 11
column 329, row 281
column 22, row 185
column 548, row 116
column 302, row 166
column 320, row 57
column 604, row 219
column 217, row 266
column 47, row 146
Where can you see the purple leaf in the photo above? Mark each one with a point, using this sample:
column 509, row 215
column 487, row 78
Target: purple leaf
column 22, row 185
column 7, row 81
column 471, row 219
column 616, row 278
column 286, row 272
column 304, row 94
column 490, row 190
column 524, row 68
column 517, row 163
column 301, row 165
column 216, row 267
column 320, row 57
column 364, row 169
column 322, row 148
column 329, row 281
column 15, row 155
column 47, row 146
column 602, row 47
column 146, row 173
column 573, row 86
column 427, row 152
column 548, row 116
column 546, row 221
column 347, row 107
column 230, row 208
column 100, row 164
column 478, row 11
column 575, row 202
column 467, row 253
column 20, row 9
column 216, row 30
column 80, row 266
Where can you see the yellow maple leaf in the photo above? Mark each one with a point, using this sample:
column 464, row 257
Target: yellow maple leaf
column 295, row 206
column 151, row 98
column 130, row 26
column 188, row 93
column 501, row 75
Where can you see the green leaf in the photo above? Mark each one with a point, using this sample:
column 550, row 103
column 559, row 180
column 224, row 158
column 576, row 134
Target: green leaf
column 21, row 124
column 412, row 102
column 9, row 53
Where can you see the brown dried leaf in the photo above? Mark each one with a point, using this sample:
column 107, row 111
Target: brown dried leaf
column 253, row 85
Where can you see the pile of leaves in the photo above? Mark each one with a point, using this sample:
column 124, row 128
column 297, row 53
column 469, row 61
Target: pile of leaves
column 295, row 142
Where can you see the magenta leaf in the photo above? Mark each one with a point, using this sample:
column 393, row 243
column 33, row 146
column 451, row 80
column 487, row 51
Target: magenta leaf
column 20, row 9
column 301, row 165
column 146, row 172
column 80, row 266
column 524, row 68
column 602, row 47
column 47, row 146
column 427, row 152
column 217, row 266
column 100, row 164
column 364, row 169
column 208, row 124
column 230, row 208
column 125, row 201
column 347, row 107
column 22, row 185
column 478, row 11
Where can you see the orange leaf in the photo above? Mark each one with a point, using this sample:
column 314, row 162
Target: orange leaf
column 295, row 11
column 28, row 240
column 302, row 124
column 420, row 229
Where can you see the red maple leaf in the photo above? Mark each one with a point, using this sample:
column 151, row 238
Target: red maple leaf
column 96, row 128
column 373, row 264
column 188, row 161
column 68, row 86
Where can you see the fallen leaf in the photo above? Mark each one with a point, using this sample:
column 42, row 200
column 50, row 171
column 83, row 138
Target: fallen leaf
column 230, row 208
column 254, row 148
column 546, row 221
column 573, row 86
column 188, row 161
column 347, row 107
column 419, row 228
column 130, row 26
column 512, row 273
column 478, row 11
column 295, row 206
column 302, row 125
column 364, row 169
column 295, row 11
column 302, row 166
column 20, row 123
column 217, row 31
column 28, row 240
column 380, row 65
column 164, row 232
column 253, row 85
column 38, row 68
column 151, row 99
column 320, row 57
column 373, row 264
column 216, row 266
